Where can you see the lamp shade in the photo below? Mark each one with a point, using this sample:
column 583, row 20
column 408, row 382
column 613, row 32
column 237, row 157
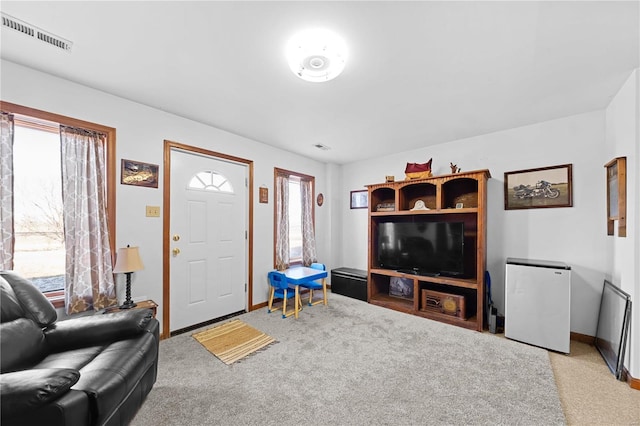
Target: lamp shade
column 128, row 260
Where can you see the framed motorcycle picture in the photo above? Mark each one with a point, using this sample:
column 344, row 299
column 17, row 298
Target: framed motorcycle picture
column 543, row 187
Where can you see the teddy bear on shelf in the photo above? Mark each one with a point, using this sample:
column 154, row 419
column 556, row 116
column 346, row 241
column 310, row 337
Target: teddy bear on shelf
column 454, row 168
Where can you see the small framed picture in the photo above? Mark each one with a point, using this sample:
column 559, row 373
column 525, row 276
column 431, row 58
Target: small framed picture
column 401, row 287
column 459, row 205
column 359, row 199
column 264, row 194
column 139, row 174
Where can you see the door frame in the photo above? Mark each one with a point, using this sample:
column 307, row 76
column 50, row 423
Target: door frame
column 166, row 225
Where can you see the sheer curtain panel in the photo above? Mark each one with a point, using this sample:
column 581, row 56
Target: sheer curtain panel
column 308, row 232
column 6, row 191
column 89, row 271
column 282, row 222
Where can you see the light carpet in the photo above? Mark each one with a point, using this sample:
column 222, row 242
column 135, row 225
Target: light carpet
column 352, row 363
column 232, row 341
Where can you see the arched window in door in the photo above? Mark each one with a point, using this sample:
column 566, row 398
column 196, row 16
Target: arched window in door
column 210, row 181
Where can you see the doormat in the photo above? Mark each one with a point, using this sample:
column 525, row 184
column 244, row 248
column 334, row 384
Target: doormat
column 233, row 340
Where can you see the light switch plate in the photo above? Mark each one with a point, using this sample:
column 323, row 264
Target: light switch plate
column 153, row 211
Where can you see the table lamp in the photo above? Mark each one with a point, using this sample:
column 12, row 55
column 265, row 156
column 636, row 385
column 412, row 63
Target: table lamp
column 127, row 262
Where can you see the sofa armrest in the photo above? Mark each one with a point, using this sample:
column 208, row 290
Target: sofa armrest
column 35, row 304
column 28, row 389
column 96, row 329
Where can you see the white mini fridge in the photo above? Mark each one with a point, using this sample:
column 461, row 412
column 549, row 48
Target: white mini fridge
column 538, row 303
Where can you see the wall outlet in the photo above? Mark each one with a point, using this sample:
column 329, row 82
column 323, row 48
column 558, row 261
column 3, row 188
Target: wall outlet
column 153, row 211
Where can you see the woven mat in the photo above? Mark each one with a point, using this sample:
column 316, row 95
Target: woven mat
column 233, row 340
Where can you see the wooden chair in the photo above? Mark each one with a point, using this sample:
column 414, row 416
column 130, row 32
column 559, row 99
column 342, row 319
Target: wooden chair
column 317, row 285
column 281, row 289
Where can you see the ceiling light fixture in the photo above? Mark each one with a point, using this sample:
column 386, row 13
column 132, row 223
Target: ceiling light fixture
column 316, row 55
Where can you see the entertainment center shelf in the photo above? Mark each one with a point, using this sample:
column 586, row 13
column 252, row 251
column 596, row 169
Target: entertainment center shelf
column 442, row 211
column 426, row 212
column 457, row 282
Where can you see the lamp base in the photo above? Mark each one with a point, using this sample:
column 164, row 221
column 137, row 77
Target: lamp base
column 128, row 305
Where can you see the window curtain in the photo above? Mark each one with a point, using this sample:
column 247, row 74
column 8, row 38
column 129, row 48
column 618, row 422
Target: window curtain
column 6, row 191
column 282, row 222
column 89, row 280
column 308, row 233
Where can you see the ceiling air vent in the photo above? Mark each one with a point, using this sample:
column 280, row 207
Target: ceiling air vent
column 35, row 32
column 321, row 146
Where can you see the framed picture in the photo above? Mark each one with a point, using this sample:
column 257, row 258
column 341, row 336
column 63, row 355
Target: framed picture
column 538, row 188
column 401, row 287
column 359, row 199
column 139, row 174
column 264, row 194
column 617, row 195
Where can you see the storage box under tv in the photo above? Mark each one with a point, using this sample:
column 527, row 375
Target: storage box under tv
column 349, row 282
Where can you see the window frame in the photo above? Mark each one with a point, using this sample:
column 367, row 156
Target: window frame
column 278, row 172
column 57, row 297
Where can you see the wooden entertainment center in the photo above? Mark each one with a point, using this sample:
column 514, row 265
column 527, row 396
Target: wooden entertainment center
column 459, row 197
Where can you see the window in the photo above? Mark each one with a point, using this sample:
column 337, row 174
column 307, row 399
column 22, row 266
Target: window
column 39, row 251
column 294, row 231
column 295, row 220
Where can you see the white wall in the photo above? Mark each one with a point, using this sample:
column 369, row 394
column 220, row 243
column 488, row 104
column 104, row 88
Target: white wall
column 574, row 235
column 140, row 133
column 622, row 268
column 335, row 203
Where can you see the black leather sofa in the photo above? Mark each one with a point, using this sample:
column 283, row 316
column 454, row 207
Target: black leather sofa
column 91, row 370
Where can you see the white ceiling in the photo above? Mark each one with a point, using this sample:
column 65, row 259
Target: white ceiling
column 419, row 73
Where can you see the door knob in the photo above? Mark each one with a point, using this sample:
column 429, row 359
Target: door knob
column 176, row 237
column 176, row 251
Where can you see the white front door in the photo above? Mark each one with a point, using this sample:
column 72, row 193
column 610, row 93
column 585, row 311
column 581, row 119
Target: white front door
column 208, row 232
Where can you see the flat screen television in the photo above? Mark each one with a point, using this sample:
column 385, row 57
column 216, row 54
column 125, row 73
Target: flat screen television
column 422, row 248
